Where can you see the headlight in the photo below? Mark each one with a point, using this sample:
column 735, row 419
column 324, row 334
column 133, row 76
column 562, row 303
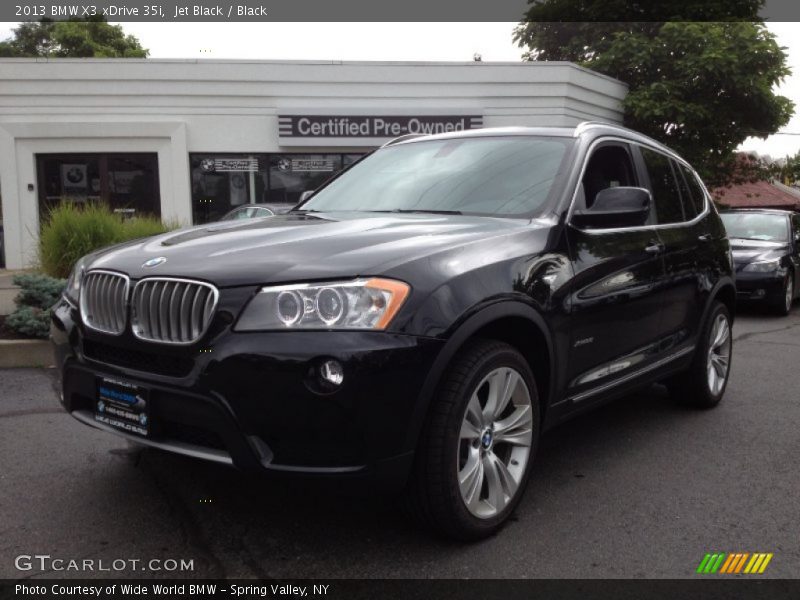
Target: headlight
column 359, row 304
column 767, row 266
column 73, row 289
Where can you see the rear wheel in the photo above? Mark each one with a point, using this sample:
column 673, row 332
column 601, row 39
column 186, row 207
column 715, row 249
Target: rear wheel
column 704, row 383
column 477, row 446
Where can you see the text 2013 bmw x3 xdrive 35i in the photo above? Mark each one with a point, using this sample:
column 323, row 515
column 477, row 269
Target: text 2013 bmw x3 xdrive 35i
column 418, row 322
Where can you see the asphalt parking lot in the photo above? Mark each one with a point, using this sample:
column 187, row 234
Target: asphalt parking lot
column 639, row 488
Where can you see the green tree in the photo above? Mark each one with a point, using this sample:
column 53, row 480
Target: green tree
column 701, row 77
column 789, row 170
column 72, row 38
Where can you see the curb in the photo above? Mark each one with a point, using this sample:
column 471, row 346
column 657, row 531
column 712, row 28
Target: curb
column 25, row 353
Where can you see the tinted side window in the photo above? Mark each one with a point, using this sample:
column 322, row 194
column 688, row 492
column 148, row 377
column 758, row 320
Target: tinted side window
column 665, row 188
column 609, row 166
column 690, row 206
column 698, row 194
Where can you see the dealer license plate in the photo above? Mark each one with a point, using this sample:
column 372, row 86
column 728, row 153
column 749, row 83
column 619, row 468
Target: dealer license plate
column 122, row 405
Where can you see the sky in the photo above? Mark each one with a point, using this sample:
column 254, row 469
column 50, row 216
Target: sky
column 398, row 41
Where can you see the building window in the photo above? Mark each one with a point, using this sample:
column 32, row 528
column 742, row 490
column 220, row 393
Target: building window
column 292, row 174
column 221, row 182
column 349, row 159
column 128, row 183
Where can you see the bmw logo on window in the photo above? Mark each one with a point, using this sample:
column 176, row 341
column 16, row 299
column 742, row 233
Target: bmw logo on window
column 154, row 262
column 75, row 175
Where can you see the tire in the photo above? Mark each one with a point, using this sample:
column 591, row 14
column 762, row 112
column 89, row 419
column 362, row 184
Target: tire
column 470, row 471
column 782, row 304
column 698, row 386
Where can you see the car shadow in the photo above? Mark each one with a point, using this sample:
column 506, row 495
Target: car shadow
column 761, row 310
column 271, row 522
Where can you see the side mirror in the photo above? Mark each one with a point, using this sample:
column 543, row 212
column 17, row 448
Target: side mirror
column 615, row 207
column 306, row 195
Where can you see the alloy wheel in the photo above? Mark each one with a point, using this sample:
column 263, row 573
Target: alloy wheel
column 719, row 354
column 789, row 293
column 495, row 442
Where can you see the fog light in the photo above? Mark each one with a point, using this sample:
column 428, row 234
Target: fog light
column 331, row 372
column 760, row 293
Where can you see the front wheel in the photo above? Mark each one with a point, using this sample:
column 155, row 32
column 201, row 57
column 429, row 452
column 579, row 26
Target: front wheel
column 704, row 383
column 783, row 302
column 478, row 443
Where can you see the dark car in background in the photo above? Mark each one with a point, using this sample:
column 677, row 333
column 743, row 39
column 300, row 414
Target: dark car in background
column 255, row 211
column 418, row 322
column 766, row 252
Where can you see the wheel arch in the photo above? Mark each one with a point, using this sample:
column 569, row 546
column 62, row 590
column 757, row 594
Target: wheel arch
column 725, row 292
column 510, row 321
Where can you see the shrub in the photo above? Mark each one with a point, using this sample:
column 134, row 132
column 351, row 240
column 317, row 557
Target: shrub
column 37, row 295
column 72, row 231
column 141, row 227
column 30, row 321
column 37, row 290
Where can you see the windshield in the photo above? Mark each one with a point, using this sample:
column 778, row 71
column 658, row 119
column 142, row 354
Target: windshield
column 486, row 176
column 756, row 226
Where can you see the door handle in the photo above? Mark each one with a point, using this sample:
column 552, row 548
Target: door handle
column 706, row 237
column 654, row 248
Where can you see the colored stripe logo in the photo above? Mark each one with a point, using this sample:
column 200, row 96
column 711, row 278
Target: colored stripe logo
column 735, row 563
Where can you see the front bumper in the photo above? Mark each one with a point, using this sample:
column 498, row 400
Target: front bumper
column 759, row 286
column 252, row 399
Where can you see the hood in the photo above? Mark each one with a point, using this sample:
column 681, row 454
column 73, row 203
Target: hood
column 299, row 247
column 747, row 251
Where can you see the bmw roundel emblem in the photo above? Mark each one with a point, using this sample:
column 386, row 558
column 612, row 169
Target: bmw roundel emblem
column 154, row 262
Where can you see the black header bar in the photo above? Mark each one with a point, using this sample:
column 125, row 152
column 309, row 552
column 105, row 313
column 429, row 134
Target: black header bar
column 165, row 11
column 698, row 588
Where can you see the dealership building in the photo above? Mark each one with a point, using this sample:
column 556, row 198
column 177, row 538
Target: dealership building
column 190, row 139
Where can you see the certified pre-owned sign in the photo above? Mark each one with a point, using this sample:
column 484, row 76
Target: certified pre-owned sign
column 352, row 127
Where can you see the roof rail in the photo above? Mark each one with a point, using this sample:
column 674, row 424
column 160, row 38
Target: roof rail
column 403, row 138
column 584, row 125
column 581, row 127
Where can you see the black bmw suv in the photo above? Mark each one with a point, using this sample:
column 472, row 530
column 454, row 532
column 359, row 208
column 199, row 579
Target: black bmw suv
column 416, row 324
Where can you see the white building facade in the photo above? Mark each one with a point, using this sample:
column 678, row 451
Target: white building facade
column 190, row 139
